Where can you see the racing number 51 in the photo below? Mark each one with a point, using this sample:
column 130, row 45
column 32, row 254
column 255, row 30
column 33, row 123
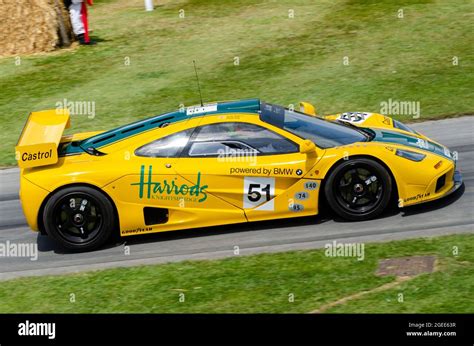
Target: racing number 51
column 255, row 196
column 258, row 191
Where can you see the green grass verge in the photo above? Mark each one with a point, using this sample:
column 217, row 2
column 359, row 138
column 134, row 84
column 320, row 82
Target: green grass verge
column 258, row 284
column 282, row 60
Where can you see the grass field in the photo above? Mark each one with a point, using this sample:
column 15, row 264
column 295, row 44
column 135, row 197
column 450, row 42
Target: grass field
column 259, row 284
column 287, row 51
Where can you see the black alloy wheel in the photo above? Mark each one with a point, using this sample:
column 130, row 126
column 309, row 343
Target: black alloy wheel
column 359, row 189
column 79, row 218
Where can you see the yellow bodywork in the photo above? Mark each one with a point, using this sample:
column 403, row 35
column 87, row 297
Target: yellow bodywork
column 200, row 192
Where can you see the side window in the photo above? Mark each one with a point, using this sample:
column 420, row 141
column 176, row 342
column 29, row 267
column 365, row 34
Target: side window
column 220, row 148
column 169, row 146
column 238, row 138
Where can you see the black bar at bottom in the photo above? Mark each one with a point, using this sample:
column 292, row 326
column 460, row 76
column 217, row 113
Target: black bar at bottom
column 329, row 329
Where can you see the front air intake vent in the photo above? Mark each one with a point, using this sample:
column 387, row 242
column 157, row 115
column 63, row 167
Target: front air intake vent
column 440, row 182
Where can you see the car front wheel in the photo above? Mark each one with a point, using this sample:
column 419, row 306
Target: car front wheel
column 358, row 189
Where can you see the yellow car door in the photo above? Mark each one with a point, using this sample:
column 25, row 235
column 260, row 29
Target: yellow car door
column 151, row 193
column 251, row 166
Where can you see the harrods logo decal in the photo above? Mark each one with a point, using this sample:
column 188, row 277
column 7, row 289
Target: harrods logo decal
column 169, row 188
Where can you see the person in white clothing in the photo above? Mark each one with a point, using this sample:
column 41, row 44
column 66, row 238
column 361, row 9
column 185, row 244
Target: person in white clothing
column 76, row 13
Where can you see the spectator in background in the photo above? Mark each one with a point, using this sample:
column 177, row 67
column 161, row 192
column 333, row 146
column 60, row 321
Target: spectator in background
column 78, row 14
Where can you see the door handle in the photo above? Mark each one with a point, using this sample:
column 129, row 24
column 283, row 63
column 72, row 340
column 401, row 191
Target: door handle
column 168, row 165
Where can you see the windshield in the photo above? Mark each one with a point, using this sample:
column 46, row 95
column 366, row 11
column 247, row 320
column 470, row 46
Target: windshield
column 323, row 133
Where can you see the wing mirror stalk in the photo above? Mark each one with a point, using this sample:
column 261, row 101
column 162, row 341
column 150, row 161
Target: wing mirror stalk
column 307, row 108
column 307, row 146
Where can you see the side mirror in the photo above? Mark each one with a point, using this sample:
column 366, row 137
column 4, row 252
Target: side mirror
column 307, row 108
column 307, row 147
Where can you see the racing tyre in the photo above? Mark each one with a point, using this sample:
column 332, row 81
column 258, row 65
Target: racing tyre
column 79, row 218
column 358, row 189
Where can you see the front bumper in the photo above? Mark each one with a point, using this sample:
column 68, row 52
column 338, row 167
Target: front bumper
column 453, row 181
column 442, row 185
column 457, row 178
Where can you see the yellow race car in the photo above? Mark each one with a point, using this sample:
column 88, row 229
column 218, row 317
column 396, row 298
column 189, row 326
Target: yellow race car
column 218, row 164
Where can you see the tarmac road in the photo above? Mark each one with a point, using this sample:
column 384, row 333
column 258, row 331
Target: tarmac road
column 453, row 214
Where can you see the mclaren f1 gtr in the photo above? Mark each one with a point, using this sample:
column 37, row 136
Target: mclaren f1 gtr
column 218, row 164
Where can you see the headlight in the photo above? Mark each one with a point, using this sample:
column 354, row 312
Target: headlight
column 410, row 155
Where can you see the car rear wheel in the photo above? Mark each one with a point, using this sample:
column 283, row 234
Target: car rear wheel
column 79, row 218
column 358, row 189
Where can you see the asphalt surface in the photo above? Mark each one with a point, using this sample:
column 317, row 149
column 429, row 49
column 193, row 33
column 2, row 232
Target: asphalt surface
column 453, row 214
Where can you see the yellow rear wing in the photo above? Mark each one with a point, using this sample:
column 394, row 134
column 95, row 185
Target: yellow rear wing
column 39, row 140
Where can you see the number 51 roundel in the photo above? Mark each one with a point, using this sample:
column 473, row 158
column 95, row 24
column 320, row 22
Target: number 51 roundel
column 259, row 191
